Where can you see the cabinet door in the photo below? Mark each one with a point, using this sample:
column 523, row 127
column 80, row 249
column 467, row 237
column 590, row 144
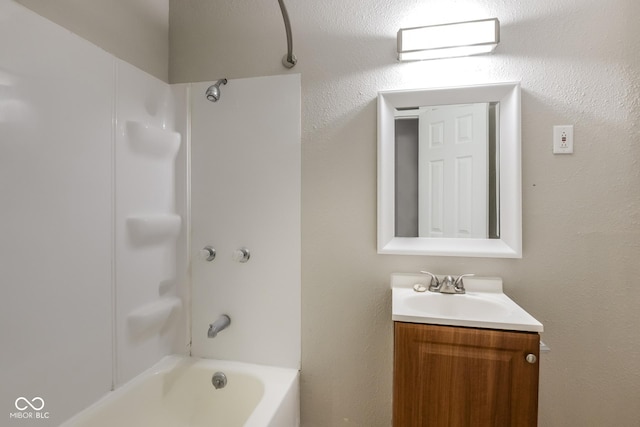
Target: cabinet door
column 464, row 377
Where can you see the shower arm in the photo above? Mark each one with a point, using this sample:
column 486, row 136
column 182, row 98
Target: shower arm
column 289, row 60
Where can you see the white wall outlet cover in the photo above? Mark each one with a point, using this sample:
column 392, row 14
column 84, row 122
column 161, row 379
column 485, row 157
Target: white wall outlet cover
column 563, row 139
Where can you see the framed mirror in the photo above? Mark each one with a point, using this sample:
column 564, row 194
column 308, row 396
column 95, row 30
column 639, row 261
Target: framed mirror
column 449, row 171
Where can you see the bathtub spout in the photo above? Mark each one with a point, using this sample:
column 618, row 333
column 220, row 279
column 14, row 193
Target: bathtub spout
column 222, row 323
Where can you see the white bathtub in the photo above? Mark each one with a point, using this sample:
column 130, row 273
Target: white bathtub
column 177, row 392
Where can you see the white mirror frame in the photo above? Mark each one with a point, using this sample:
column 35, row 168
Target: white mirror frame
column 509, row 245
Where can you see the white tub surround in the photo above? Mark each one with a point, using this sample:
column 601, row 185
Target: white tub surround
column 95, row 164
column 88, row 151
column 246, row 194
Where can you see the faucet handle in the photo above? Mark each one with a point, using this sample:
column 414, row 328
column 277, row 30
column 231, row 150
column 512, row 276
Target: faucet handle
column 459, row 285
column 434, row 278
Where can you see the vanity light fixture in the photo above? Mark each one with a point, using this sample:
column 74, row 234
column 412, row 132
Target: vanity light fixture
column 448, row 40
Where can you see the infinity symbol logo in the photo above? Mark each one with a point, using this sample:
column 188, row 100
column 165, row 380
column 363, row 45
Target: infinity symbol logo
column 28, row 403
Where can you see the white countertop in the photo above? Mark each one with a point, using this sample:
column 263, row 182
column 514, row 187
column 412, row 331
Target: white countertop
column 484, row 305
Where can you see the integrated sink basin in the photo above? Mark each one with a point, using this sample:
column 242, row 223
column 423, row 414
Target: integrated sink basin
column 436, row 304
column 484, row 305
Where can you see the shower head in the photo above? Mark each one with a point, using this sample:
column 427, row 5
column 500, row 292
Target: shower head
column 213, row 91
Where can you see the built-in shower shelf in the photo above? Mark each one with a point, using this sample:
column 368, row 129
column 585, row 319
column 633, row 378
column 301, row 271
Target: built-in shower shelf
column 166, row 286
column 152, row 317
column 151, row 140
column 153, row 229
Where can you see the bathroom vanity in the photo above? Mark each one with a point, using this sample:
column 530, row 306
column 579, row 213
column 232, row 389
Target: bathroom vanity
column 455, row 376
column 466, row 360
column 449, row 184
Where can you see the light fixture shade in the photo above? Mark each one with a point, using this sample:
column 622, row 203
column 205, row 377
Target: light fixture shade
column 448, row 40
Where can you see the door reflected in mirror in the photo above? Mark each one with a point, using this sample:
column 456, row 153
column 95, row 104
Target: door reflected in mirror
column 449, row 179
column 446, row 171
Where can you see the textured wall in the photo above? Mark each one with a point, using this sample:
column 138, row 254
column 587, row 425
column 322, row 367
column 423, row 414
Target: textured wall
column 578, row 62
column 133, row 30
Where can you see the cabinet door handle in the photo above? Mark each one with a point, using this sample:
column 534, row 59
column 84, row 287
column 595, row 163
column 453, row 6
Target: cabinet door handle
column 531, row 358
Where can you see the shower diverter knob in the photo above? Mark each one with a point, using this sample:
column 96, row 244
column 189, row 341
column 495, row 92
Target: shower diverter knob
column 241, row 255
column 208, row 253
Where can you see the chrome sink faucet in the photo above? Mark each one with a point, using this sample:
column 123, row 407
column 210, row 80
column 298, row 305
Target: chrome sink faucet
column 448, row 285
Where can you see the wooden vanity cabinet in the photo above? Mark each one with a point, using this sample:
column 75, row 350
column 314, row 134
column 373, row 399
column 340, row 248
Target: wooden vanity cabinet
column 448, row 376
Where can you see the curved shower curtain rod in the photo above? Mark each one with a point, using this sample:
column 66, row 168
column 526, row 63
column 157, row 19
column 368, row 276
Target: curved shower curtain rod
column 289, row 60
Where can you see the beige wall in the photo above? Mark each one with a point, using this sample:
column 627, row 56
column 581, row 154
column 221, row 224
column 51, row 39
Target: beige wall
column 578, row 62
column 136, row 31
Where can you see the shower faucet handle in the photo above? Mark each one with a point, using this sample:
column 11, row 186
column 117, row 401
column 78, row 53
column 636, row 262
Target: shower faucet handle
column 241, row 255
column 208, row 253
